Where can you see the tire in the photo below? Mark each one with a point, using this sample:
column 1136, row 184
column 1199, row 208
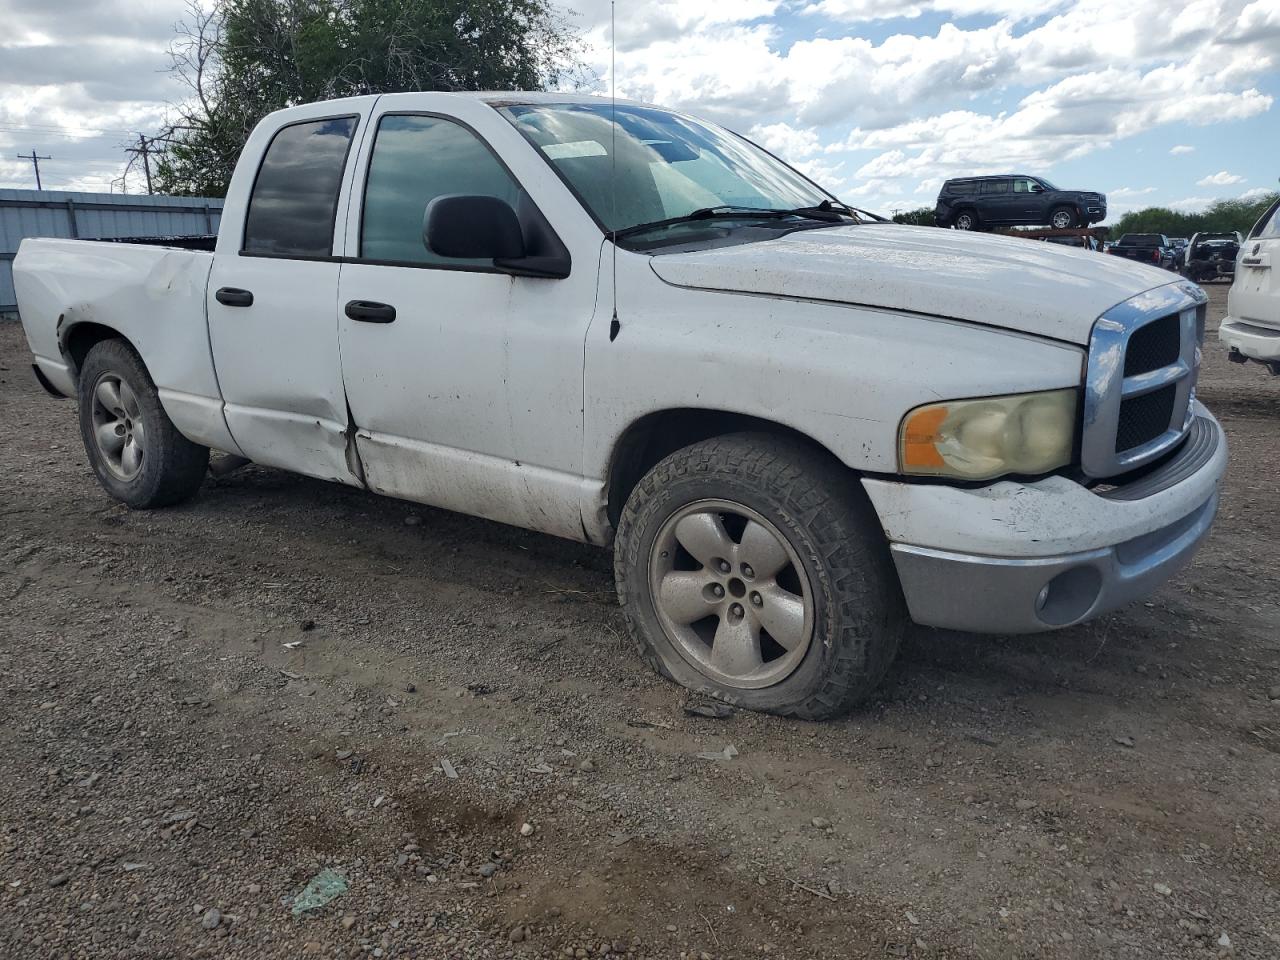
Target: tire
column 827, row 554
column 966, row 220
column 1063, row 218
column 153, row 465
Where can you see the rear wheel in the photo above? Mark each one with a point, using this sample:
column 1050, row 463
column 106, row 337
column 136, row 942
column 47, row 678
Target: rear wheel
column 748, row 571
column 1063, row 218
column 139, row 456
column 966, row 220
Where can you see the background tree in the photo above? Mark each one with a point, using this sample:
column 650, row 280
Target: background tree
column 241, row 59
column 1220, row 216
column 923, row 217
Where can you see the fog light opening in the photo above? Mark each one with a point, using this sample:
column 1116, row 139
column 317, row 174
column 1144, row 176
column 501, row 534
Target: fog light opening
column 1069, row 596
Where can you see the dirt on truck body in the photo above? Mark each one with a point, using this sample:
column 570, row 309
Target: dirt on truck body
column 214, row 719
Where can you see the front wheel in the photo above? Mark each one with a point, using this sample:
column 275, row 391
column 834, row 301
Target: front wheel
column 749, row 568
column 139, row 456
column 1064, row 218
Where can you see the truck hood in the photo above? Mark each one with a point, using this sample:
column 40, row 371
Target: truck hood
column 1022, row 285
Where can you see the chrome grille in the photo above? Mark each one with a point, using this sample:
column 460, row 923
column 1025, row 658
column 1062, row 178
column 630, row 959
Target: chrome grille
column 1140, row 383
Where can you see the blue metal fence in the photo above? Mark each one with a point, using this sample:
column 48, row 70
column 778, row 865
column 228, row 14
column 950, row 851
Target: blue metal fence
column 94, row 216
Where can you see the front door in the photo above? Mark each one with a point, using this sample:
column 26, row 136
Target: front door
column 1255, row 295
column 272, row 305
column 470, row 396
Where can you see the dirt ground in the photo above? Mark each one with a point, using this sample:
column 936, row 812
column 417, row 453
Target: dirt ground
column 204, row 707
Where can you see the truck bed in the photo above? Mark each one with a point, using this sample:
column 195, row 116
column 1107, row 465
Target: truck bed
column 153, row 294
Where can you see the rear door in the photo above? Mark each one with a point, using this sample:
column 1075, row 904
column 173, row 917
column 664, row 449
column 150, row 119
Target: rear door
column 272, row 297
column 996, row 201
column 1255, row 295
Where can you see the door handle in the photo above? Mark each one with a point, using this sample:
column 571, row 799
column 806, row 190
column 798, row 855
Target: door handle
column 370, row 311
column 234, row 297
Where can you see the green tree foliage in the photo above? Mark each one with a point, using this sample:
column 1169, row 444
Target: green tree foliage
column 242, row 59
column 1221, row 216
column 922, row 217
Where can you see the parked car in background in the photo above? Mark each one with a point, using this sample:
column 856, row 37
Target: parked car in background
column 1084, row 241
column 1179, row 245
column 1152, row 248
column 1251, row 329
column 796, row 427
column 1211, row 256
column 1015, row 200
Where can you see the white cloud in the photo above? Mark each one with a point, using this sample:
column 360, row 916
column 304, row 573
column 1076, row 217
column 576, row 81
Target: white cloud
column 1125, row 192
column 864, row 10
column 786, row 141
column 1257, row 193
column 1220, row 179
column 1181, row 149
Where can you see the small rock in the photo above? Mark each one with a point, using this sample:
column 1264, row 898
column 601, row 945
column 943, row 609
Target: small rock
column 487, row 869
column 822, row 823
column 1025, row 804
column 212, row 917
column 912, row 919
column 1163, row 889
column 526, row 829
column 254, row 888
column 343, row 755
column 933, row 760
column 1272, row 694
column 348, row 922
column 586, row 766
column 1224, row 941
column 518, row 933
column 1126, row 742
column 57, row 880
column 412, row 520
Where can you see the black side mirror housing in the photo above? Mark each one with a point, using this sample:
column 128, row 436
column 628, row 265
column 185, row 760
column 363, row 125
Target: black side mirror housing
column 472, row 228
column 487, row 228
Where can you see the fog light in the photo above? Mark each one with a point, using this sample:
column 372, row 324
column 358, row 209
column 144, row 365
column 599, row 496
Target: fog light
column 1069, row 596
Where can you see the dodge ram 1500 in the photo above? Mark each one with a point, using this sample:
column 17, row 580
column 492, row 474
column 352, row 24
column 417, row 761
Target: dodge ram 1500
column 797, row 428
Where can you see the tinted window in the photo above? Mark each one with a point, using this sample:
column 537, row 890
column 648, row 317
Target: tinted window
column 995, row 186
column 415, row 160
column 963, row 186
column 1269, row 226
column 295, row 197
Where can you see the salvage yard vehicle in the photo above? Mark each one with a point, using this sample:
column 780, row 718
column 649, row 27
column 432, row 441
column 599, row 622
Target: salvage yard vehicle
column 1251, row 329
column 1211, row 256
column 975, row 203
column 1152, row 248
column 796, row 426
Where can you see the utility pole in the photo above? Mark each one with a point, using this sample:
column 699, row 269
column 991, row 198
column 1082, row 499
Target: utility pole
column 35, row 162
column 145, row 147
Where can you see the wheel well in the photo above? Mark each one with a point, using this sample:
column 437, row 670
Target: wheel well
column 657, row 435
column 82, row 338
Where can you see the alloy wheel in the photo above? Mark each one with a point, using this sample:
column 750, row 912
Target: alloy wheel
column 731, row 594
column 118, row 430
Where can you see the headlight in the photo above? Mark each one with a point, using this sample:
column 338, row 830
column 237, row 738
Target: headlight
column 981, row 439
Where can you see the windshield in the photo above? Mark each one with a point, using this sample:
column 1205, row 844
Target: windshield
column 1046, row 184
column 667, row 166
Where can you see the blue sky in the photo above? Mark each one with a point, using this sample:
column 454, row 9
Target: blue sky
column 877, row 99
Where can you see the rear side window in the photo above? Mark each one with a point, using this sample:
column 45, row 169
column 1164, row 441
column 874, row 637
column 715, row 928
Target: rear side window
column 962, row 186
column 1269, row 226
column 995, row 186
column 295, row 197
column 416, row 159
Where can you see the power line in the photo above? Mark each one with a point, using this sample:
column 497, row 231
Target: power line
column 35, row 159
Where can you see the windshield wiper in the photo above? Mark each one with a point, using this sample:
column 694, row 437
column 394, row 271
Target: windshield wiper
column 826, row 210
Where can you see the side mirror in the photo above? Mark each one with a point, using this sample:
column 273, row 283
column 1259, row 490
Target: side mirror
column 1036, row 188
column 472, row 228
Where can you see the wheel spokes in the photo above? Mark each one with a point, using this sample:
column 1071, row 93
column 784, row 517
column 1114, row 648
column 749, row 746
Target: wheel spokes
column 782, row 614
column 682, row 595
column 704, row 536
column 108, row 396
column 129, row 401
column 762, row 551
column 735, row 650
column 109, row 440
column 131, row 457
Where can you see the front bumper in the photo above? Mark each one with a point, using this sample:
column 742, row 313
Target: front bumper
column 1250, row 339
column 1023, row 558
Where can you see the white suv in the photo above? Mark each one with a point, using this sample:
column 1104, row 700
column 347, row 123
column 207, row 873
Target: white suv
column 1251, row 330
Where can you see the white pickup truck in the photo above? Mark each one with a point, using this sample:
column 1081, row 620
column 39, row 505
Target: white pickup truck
column 797, row 426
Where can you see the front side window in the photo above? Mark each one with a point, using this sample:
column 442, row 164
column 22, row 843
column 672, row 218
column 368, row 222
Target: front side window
column 416, row 159
column 654, row 165
column 1023, row 185
column 295, row 196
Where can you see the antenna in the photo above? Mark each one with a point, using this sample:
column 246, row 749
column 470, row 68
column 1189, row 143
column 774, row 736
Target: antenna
column 613, row 156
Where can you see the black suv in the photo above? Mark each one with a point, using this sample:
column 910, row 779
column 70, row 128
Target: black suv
column 971, row 203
